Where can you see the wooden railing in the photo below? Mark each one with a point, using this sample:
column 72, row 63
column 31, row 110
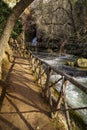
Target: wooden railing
column 42, row 72
column 58, row 102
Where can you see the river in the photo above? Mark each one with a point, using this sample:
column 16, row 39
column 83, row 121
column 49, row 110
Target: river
column 75, row 97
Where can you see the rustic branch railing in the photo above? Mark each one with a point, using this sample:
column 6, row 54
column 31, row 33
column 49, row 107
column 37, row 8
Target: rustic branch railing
column 42, row 72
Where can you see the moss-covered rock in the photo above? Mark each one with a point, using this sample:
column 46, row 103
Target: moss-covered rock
column 71, row 63
column 82, row 62
column 79, row 62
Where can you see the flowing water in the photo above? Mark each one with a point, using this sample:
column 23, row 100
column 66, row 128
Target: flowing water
column 75, row 97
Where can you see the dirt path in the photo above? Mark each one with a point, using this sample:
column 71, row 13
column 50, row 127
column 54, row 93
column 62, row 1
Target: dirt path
column 23, row 107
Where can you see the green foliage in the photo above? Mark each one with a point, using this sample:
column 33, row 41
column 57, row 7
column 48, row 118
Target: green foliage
column 17, row 29
column 4, row 13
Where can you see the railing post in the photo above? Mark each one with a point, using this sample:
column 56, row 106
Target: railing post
column 36, row 69
column 0, row 71
column 60, row 98
column 47, row 82
column 33, row 64
column 30, row 60
column 40, row 72
column 66, row 107
column 51, row 103
column 48, row 91
column 29, row 54
column 42, row 79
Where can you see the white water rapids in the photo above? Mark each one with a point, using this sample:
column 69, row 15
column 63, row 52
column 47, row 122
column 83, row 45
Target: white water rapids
column 75, row 97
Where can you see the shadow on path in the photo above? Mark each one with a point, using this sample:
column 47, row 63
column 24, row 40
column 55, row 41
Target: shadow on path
column 7, row 123
column 20, row 114
column 23, row 107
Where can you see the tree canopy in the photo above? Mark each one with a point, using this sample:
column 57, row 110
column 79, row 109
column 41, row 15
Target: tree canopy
column 4, row 13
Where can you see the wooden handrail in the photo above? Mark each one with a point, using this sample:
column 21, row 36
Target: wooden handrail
column 42, row 72
column 67, row 77
column 47, row 92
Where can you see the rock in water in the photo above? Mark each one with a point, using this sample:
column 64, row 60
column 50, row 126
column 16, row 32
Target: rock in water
column 82, row 62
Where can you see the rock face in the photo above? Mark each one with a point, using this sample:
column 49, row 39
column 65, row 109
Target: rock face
column 49, row 19
column 57, row 22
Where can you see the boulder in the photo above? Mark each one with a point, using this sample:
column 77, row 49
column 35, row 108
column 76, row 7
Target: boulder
column 82, row 62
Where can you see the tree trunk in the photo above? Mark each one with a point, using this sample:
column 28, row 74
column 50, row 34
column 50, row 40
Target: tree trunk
column 16, row 12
